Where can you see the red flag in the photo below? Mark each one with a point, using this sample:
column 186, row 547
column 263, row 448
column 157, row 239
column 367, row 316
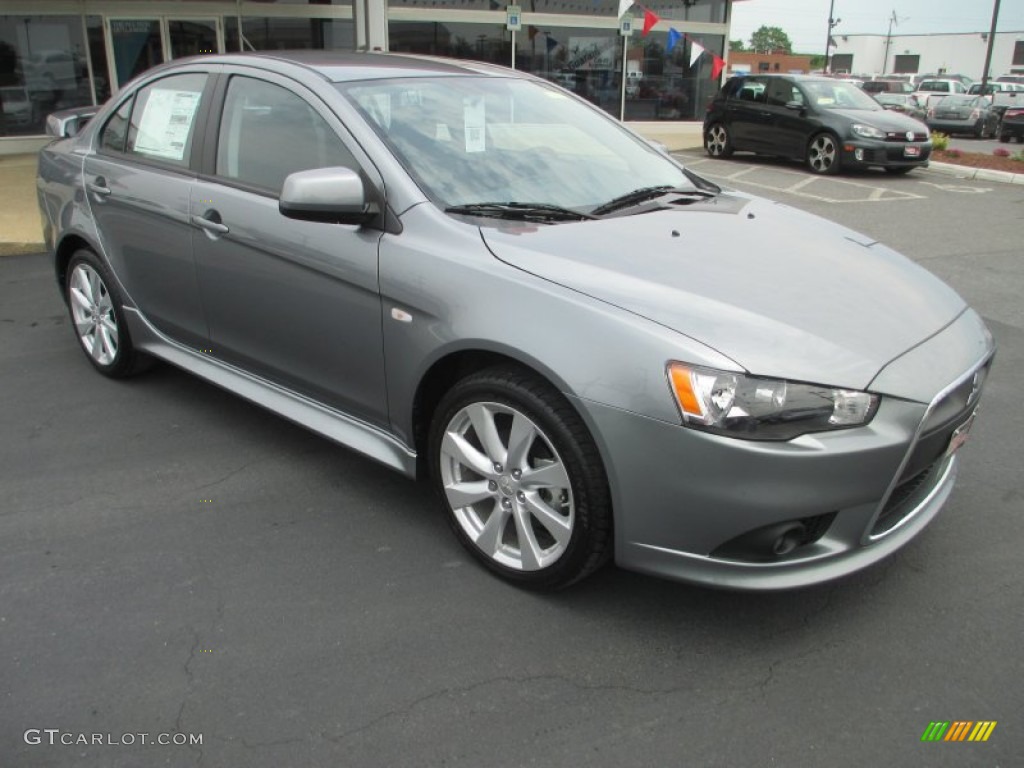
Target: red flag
column 650, row 19
column 716, row 68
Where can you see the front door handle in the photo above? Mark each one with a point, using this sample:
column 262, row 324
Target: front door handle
column 210, row 221
column 98, row 187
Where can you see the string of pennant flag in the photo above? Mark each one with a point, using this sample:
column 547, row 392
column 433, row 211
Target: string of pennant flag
column 674, row 37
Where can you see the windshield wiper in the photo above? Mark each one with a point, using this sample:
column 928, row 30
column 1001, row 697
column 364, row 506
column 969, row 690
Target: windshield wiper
column 648, row 193
column 524, row 211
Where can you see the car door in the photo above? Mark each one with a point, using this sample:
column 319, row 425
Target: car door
column 138, row 184
column 294, row 302
column 789, row 129
column 747, row 117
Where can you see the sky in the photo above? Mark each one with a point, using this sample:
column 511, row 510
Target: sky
column 806, row 21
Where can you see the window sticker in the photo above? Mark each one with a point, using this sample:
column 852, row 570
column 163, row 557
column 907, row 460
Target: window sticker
column 166, row 123
column 473, row 122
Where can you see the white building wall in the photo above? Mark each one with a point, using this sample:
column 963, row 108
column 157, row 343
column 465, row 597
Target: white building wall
column 962, row 53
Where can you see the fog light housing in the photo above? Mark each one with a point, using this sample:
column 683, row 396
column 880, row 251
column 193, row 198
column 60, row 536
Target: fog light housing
column 859, row 154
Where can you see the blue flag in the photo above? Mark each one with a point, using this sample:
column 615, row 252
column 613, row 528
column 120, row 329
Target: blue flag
column 673, row 38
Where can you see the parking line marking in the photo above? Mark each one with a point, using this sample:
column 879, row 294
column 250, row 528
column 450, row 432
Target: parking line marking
column 872, row 193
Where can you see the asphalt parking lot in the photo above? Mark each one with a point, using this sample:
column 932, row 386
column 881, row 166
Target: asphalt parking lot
column 176, row 561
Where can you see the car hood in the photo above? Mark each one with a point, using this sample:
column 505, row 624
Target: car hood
column 884, row 119
column 781, row 292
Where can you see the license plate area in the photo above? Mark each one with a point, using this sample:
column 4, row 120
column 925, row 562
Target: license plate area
column 960, row 434
column 911, row 151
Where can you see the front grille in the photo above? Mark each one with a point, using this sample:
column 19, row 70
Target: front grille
column 906, row 136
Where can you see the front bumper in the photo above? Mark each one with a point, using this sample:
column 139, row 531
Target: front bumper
column 682, row 497
column 1011, row 128
column 875, row 153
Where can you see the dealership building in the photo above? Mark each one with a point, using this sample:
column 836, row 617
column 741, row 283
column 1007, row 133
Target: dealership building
column 56, row 54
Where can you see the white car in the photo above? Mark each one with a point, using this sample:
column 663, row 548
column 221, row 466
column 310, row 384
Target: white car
column 929, row 90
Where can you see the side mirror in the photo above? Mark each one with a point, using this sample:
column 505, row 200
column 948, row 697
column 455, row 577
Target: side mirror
column 333, row 195
column 68, row 122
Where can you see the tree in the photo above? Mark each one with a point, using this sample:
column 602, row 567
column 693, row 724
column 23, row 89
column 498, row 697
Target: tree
column 770, row 40
column 737, row 45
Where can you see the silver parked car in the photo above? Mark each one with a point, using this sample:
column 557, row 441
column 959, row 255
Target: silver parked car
column 472, row 275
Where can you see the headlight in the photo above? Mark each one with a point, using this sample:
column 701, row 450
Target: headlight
column 868, row 131
column 753, row 408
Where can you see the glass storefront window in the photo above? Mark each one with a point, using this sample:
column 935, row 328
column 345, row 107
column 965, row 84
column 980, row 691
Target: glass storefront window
column 269, row 34
column 709, row 11
column 479, row 42
column 662, row 85
column 137, row 46
column 583, row 60
column 98, row 54
column 42, row 68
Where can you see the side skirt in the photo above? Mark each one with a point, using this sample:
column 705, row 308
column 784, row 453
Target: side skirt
column 328, row 422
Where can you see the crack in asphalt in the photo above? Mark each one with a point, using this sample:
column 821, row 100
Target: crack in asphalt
column 453, row 691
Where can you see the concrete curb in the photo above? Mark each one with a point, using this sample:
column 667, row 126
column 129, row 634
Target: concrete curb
column 977, row 174
column 18, row 249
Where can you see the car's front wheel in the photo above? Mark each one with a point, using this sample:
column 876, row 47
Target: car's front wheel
column 521, row 479
column 823, row 154
column 95, row 305
column 717, row 141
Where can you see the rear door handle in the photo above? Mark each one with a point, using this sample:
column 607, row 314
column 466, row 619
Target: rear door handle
column 210, row 223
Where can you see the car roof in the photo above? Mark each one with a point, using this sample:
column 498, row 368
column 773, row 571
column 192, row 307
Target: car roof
column 342, row 66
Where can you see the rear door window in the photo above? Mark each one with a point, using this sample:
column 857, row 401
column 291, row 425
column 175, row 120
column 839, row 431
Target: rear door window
column 163, row 122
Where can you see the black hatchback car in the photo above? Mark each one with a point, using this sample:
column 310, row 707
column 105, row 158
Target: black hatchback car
column 828, row 124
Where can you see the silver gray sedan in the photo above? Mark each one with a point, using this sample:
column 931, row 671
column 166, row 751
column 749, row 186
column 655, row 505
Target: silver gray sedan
column 475, row 277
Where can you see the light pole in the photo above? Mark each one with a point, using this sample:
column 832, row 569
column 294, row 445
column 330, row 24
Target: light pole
column 888, row 42
column 991, row 41
column 828, row 37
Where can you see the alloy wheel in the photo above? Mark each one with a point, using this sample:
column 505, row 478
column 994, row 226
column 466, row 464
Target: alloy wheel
column 718, row 140
column 92, row 311
column 822, row 154
column 507, row 486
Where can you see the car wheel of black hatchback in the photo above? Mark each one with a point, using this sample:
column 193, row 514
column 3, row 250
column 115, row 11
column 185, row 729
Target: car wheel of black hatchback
column 521, row 479
column 823, row 154
column 717, row 141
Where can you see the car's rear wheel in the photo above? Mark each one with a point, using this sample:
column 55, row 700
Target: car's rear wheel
column 95, row 303
column 521, row 479
column 717, row 141
column 823, row 154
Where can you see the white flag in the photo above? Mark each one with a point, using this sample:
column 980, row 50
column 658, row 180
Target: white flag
column 696, row 50
column 624, row 5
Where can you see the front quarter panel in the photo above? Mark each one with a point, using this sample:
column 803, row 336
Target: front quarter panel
column 462, row 298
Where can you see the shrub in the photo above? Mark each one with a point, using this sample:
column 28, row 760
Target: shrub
column 1019, row 156
column 1001, row 152
column 939, row 141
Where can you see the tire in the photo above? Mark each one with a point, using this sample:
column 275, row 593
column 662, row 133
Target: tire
column 97, row 319
column 543, row 533
column 823, row 155
column 899, row 171
column 717, row 141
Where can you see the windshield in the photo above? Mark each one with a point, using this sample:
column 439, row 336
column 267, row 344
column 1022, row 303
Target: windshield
column 834, row 94
column 468, row 140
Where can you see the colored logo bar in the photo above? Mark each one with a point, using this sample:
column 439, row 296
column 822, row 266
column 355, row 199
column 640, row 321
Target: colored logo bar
column 959, row 730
